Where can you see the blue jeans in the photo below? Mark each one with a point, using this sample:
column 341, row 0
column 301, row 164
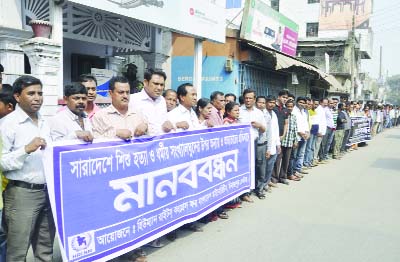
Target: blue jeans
column 326, row 143
column 2, row 241
column 310, row 147
column 270, row 166
column 261, row 163
column 297, row 157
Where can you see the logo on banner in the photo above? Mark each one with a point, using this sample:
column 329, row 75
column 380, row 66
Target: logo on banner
column 81, row 245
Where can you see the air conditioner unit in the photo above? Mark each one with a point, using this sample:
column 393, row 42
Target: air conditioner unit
column 229, row 65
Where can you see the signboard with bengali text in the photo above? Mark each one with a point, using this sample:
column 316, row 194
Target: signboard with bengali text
column 111, row 197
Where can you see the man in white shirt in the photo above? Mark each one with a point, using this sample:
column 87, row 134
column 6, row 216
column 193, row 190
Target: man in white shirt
column 303, row 133
column 151, row 104
column 249, row 114
column 274, row 141
column 27, row 210
column 183, row 117
column 330, row 131
column 72, row 123
column 323, row 103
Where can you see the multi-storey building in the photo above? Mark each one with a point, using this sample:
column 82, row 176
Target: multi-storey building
column 334, row 35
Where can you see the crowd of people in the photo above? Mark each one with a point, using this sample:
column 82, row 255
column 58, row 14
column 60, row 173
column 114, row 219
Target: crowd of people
column 291, row 135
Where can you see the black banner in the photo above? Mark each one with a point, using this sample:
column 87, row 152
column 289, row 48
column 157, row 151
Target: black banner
column 360, row 130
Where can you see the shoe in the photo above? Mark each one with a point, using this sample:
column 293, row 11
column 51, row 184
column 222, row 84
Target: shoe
column 306, row 167
column 303, row 172
column 247, row 198
column 155, row 243
column 299, row 175
column 314, row 163
column 294, row 178
column 272, row 184
column 172, row 236
column 284, row 181
column 323, row 162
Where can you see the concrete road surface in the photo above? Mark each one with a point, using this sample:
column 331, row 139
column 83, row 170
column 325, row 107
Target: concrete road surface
column 346, row 210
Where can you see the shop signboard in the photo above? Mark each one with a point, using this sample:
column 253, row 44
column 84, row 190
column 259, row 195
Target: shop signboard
column 199, row 18
column 265, row 26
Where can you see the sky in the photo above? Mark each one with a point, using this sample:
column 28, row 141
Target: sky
column 385, row 23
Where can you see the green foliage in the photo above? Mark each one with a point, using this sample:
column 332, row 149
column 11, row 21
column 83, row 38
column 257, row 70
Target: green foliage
column 393, row 95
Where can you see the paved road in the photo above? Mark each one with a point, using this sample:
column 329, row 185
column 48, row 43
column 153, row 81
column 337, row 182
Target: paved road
column 343, row 211
column 346, row 210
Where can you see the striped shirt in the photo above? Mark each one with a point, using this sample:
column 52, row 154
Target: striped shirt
column 335, row 114
column 291, row 135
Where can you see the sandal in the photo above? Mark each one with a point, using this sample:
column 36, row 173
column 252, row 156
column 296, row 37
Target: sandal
column 260, row 195
column 223, row 215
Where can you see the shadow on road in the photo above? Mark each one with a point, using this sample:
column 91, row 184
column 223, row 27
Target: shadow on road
column 387, row 163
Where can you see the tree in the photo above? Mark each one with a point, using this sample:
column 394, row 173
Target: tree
column 393, row 95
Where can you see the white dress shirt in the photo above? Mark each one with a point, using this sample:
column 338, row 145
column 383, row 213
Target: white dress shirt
column 247, row 116
column 65, row 123
column 154, row 111
column 180, row 114
column 329, row 117
column 274, row 139
column 322, row 120
column 18, row 130
column 302, row 121
column 264, row 137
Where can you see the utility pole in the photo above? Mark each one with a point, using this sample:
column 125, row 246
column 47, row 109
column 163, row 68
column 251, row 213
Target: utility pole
column 352, row 54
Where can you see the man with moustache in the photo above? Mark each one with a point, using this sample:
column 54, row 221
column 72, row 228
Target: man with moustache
column 249, row 114
column 27, row 210
column 151, row 104
column 274, row 142
column 217, row 111
column 72, row 123
column 288, row 143
column 118, row 120
column 303, row 132
column 90, row 83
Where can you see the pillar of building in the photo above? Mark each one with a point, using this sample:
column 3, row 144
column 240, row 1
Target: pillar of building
column 11, row 54
column 45, row 60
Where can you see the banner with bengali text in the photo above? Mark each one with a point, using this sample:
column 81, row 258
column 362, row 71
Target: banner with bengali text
column 111, row 197
column 360, row 130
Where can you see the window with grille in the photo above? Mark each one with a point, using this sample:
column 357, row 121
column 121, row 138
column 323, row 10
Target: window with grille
column 312, row 30
column 313, row 1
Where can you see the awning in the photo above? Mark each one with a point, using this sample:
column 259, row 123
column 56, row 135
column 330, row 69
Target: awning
column 283, row 62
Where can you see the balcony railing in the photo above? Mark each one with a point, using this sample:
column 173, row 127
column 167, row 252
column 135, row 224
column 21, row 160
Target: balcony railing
column 337, row 65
